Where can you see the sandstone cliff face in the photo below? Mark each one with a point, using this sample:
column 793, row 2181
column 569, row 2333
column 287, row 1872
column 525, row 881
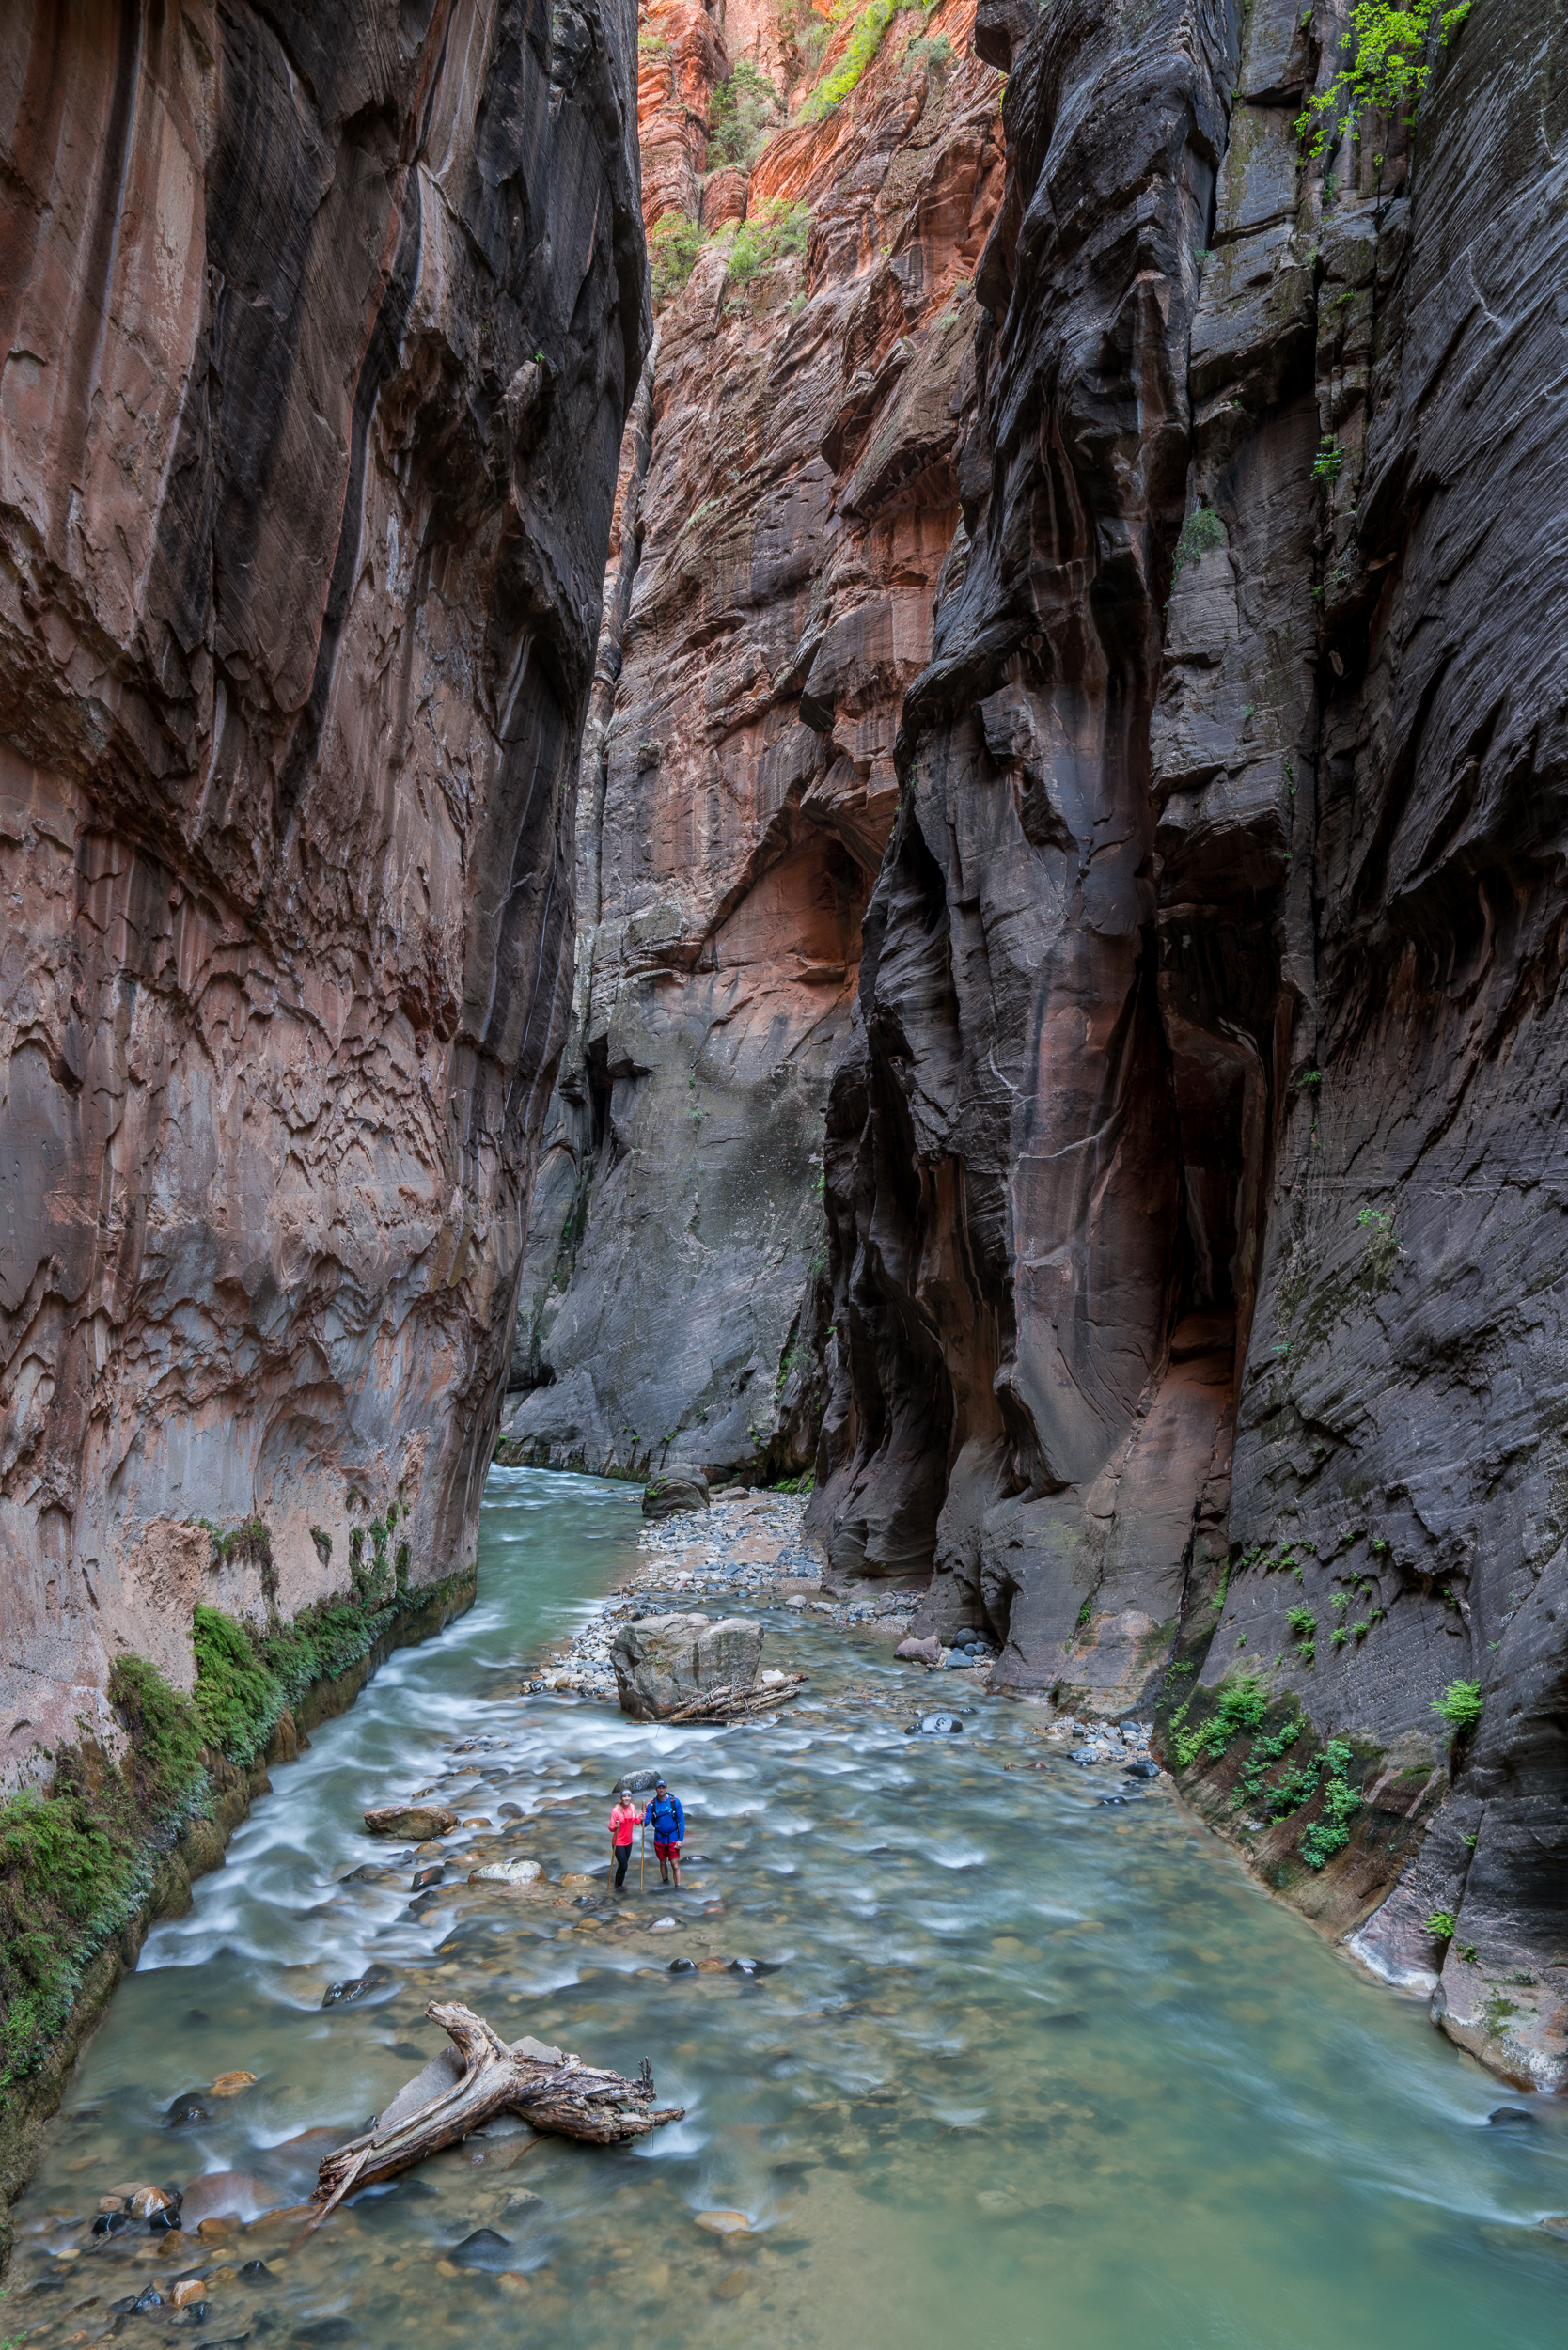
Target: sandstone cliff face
column 320, row 327
column 1197, row 1245
column 788, row 503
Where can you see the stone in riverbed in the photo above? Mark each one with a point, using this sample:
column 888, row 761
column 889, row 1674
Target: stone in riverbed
column 514, row 1872
column 485, row 2249
column 667, row 1662
column 357, row 1987
column 938, row 1725
column 927, row 1652
column 419, row 1819
column 666, row 1496
column 147, row 2200
column 189, row 2107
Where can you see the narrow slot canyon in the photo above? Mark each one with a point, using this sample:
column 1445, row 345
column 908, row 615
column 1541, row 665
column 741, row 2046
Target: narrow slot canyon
column 783, row 793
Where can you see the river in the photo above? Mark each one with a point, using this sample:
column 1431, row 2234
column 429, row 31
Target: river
column 1031, row 2068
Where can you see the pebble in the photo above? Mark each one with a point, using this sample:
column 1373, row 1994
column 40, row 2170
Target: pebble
column 935, row 1725
column 507, row 1873
column 664, row 1925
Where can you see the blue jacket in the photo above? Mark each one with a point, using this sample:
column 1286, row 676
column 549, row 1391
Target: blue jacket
column 664, row 1816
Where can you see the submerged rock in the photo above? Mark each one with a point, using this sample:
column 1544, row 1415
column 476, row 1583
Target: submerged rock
column 357, row 1987
column 938, row 1725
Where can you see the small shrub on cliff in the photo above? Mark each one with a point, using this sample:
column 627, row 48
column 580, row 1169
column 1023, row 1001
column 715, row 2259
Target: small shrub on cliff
column 862, row 46
column 1390, row 53
column 1461, row 1706
column 776, row 232
column 1201, row 533
column 935, row 51
column 1442, row 1925
column 1332, row 1832
column 1239, row 1704
column 1379, row 1254
column 807, row 35
column 673, row 245
column 740, row 114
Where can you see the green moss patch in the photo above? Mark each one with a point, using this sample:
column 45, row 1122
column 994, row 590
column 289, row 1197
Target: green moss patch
column 76, row 1863
column 245, row 1686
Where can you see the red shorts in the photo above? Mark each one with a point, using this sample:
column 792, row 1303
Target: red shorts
column 666, row 1852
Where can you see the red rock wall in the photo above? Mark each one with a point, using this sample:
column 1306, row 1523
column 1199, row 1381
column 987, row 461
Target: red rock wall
column 785, row 520
column 307, row 444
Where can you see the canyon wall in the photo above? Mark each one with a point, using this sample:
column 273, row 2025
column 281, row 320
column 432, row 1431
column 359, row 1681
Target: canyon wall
column 321, row 325
column 1198, row 1239
column 788, row 506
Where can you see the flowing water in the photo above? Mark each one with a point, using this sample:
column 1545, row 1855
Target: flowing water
column 1032, row 2068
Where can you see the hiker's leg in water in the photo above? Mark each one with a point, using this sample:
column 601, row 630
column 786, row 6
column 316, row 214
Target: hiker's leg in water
column 622, row 1855
column 675, row 1864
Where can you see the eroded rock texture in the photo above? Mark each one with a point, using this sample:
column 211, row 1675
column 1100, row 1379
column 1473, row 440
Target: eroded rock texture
column 788, row 503
column 1194, row 1168
column 319, row 328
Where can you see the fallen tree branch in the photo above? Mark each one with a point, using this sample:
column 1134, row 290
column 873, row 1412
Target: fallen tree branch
column 733, row 1703
column 555, row 2093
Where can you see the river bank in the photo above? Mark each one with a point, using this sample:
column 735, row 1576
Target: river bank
column 174, row 1861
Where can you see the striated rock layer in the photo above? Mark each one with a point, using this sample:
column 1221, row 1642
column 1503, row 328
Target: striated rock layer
column 319, row 329
column 1194, row 1171
column 788, row 503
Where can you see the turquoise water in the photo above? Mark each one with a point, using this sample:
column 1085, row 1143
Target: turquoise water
column 1031, row 2069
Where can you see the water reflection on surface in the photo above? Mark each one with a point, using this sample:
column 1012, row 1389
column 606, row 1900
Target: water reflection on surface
column 1030, row 2068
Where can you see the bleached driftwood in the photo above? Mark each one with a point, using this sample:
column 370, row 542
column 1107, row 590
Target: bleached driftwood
column 552, row 2090
column 729, row 1704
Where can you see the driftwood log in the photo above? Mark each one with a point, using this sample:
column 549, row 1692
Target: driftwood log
column 481, row 2076
column 729, row 1703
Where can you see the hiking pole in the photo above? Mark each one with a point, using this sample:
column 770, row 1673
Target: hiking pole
column 642, row 1863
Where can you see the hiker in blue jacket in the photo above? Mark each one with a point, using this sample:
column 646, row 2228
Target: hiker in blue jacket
column 664, row 1816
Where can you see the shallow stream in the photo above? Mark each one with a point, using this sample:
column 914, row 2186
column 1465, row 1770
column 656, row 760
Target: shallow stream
column 1031, row 2068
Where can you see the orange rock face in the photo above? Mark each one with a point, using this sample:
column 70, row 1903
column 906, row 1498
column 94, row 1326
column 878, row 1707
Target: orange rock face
column 787, row 504
column 307, row 444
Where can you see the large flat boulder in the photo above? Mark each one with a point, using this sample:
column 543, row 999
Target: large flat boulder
column 667, row 1497
column 667, row 1662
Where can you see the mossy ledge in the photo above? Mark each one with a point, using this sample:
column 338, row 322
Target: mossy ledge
column 120, row 1842
column 1328, row 1826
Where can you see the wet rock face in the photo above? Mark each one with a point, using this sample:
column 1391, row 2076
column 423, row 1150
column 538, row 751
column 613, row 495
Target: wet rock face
column 1005, row 1181
column 1195, row 1250
column 308, row 434
column 788, row 503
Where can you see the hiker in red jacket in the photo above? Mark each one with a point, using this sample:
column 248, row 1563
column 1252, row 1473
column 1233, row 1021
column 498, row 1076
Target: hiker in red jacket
column 623, row 1826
